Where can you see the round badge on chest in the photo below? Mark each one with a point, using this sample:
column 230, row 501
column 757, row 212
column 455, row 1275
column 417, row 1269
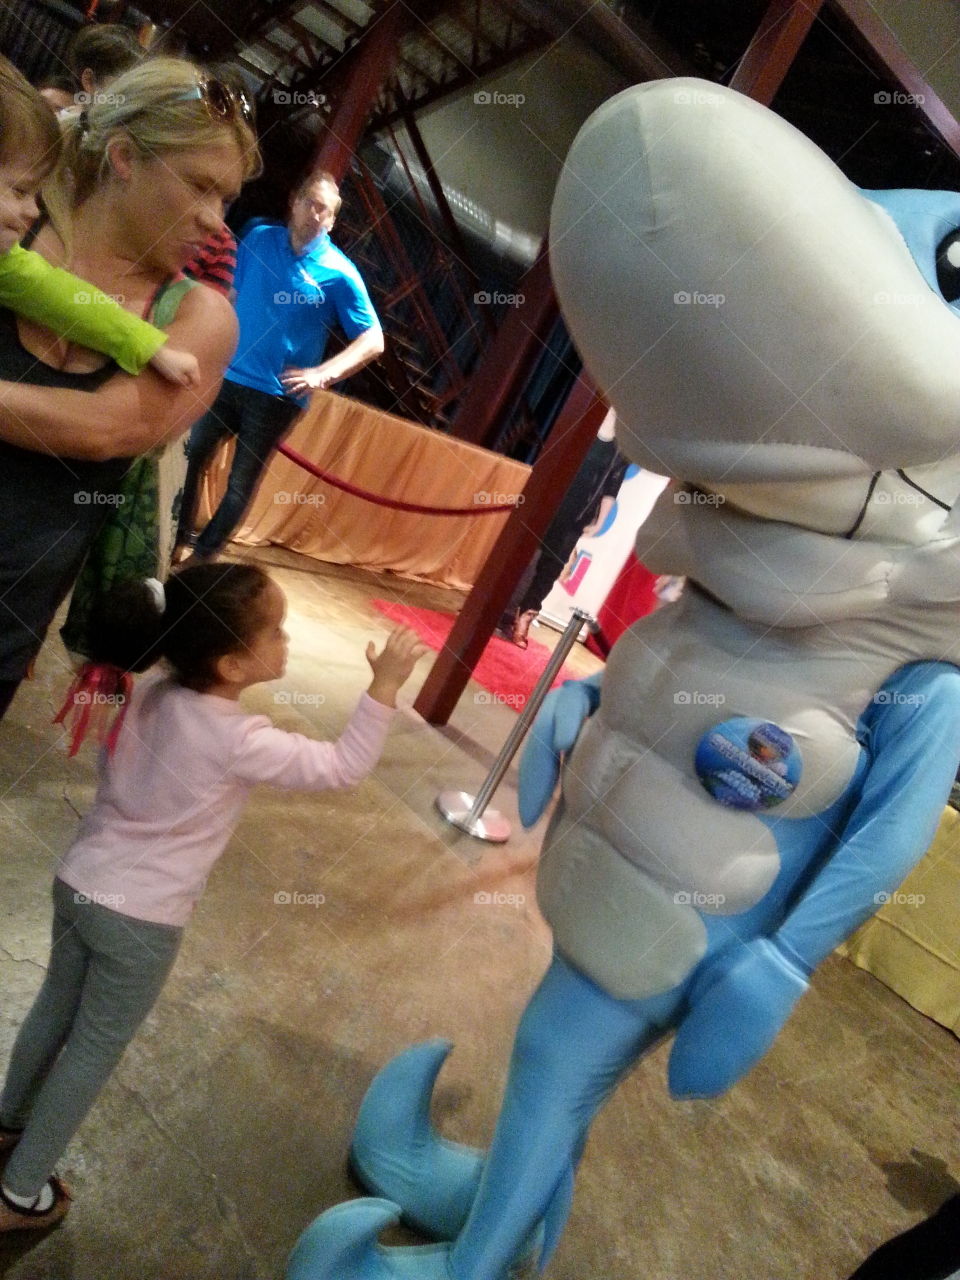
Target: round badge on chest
column 747, row 763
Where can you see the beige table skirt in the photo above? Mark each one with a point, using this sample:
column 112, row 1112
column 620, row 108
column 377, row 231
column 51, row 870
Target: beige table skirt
column 385, row 455
column 912, row 944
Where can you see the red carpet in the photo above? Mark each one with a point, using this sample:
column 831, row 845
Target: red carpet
column 507, row 672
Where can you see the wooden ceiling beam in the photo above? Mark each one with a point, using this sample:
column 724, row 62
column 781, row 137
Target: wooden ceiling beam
column 770, row 54
column 283, row 53
column 347, row 27
column 311, row 45
column 368, row 64
column 462, row 80
column 634, row 50
column 259, row 20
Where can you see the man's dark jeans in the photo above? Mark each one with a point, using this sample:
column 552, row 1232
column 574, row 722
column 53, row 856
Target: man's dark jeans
column 258, row 422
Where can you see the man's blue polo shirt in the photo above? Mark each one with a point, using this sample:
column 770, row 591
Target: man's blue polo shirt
column 287, row 304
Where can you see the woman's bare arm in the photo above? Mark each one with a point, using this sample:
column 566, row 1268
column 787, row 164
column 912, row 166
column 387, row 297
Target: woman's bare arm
column 126, row 416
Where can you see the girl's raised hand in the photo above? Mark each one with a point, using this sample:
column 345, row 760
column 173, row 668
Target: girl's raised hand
column 392, row 666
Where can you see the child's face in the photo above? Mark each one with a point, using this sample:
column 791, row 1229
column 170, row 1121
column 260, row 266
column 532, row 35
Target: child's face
column 265, row 655
column 18, row 201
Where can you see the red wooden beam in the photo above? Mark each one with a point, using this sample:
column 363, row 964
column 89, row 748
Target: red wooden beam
column 574, row 431
column 901, row 68
column 771, row 52
column 365, row 69
column 506, row 362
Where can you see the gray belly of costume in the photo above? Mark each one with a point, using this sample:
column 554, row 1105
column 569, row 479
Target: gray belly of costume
column 639, row 851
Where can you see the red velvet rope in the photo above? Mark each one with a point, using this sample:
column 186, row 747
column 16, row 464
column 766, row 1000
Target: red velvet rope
column 394, row 503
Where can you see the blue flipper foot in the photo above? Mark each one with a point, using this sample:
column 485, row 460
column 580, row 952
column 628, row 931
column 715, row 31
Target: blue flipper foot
column 342, row 1245
column 397, row 1154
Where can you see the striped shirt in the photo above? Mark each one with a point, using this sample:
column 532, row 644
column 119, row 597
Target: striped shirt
column 216, row 262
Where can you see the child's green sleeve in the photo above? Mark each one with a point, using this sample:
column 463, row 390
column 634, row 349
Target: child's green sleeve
column 75, row 309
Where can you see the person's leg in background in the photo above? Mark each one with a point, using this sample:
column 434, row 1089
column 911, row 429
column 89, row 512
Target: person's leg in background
column 554, row 554
column 508, row 619
column 263, row 421
column 220, row 420
column 557, row 546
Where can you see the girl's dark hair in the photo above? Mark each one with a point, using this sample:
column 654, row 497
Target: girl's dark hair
column 211, row 610
column 28, row 126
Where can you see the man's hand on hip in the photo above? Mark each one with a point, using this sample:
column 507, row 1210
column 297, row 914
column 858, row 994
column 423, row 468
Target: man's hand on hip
column 298, row 382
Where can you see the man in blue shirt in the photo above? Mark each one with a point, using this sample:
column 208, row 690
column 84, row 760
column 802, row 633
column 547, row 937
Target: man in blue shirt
column 291, row 285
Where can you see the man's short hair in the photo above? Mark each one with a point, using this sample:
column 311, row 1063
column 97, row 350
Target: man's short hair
column 106, row 48
column 313, row 180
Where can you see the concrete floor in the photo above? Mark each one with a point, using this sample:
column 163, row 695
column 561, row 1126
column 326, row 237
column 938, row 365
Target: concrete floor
column 226, row 1127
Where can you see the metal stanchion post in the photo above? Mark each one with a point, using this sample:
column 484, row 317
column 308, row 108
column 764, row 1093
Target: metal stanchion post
column 468, row 813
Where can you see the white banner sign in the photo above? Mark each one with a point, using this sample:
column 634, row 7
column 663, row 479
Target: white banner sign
column 596, row 561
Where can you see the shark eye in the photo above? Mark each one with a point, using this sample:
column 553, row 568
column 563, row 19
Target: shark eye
column 948, row 265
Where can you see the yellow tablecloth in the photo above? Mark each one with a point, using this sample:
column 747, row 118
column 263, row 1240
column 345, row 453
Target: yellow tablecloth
column 912, row 944
column 386, row 455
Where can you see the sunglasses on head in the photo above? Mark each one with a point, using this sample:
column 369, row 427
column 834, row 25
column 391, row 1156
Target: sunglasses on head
column 221, row 101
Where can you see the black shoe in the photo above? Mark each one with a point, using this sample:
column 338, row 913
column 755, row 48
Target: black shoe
column 197, row 558
column 504, row 628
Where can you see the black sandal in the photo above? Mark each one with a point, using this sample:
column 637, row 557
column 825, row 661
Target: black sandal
column 15, row 1217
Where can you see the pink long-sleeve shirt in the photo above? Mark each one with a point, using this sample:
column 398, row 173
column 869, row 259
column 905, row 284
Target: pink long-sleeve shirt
column 173, row 791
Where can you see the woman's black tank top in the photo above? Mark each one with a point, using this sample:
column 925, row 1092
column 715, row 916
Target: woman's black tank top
column 50, row 511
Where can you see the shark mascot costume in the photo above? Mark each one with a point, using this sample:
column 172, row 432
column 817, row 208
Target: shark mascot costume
column 766, row 758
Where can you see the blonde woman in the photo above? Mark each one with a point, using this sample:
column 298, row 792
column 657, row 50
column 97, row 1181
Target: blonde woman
column 152, row 166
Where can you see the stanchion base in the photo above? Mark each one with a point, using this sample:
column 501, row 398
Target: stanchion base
column 490, row 825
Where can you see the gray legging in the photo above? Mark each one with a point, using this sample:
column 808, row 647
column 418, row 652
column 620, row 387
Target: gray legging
column 106, row 971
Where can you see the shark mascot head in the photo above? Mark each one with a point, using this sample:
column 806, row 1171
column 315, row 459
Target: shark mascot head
column 766, row 759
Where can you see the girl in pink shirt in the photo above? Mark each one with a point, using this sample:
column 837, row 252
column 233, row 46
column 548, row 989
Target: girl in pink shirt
column 170, row 794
